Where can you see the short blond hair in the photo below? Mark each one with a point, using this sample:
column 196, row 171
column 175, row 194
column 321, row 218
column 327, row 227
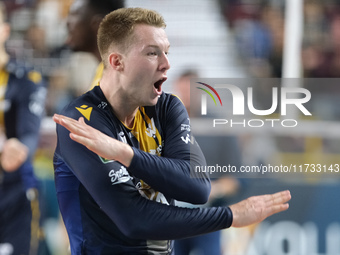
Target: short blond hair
column 117, row 27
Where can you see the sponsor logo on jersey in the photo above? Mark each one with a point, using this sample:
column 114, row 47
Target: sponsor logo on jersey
column 157, row 151
column 149, row 193
column 105, row 160
column 188, row 139
column 120, row 176
column 151, row 129
column 185, row 127
column 122, row 137
column 85, row 111
column 102, row 105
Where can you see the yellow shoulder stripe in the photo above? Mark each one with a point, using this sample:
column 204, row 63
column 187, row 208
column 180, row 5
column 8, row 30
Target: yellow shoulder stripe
column 177, row 97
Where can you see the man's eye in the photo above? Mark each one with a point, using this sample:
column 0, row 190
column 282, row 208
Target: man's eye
column 152, row 53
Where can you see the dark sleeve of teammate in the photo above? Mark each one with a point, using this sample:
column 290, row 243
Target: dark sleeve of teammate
column 137, row 217
column 174, row 174
column 30, row 109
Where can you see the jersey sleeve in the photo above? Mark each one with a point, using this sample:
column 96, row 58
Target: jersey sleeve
column 174, row 173
column 30, row 110
column 110, row 184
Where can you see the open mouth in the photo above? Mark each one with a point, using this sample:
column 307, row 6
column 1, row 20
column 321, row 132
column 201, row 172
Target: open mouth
column 158, row 84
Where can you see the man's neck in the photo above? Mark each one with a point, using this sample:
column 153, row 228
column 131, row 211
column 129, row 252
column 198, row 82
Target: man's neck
column 128, row 120
column 124, row 114
column 124, row 111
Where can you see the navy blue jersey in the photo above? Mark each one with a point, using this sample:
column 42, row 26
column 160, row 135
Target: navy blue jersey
column 22, row 101
column 110, row 209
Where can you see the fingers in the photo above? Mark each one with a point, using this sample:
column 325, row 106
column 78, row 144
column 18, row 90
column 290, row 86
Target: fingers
column 82, row 133
column 278, row 198
column 81, row 120
column 256, row 209
column 64, row 120
column 276, row 202
column 276, row 209
column 67, row 122
column 58, row 118
column 81, row 139
column 78, row 127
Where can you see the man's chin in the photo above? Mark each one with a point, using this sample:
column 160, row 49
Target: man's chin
column 152, row 102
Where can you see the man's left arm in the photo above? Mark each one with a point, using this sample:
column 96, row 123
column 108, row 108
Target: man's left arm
column 175, row 173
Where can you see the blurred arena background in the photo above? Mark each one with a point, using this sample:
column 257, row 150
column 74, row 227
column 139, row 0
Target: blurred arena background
column 220, row 39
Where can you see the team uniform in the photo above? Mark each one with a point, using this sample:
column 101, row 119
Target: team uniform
column 22, row 100
column 110, row 209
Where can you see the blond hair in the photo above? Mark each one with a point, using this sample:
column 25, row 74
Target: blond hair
column 116, row 29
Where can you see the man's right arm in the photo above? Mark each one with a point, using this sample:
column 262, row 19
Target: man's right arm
column 111, row 187
column 137, row 217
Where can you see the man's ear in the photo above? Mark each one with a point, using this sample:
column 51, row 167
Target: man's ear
column 115, row 61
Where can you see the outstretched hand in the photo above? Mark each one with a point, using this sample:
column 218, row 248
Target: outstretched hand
column 96, row 141
column 256, row 209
